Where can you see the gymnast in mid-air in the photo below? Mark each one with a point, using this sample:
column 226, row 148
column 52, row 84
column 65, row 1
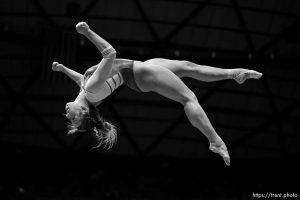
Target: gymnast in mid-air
column 157, row 75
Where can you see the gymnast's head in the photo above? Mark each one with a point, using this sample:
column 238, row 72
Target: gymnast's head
column 84, row 117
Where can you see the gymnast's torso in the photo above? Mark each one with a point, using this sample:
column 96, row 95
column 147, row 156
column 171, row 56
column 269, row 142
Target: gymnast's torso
column 124, row 71
column 121, row 73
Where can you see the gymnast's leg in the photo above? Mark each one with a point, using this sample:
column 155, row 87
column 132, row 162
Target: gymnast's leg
column 205, row 73
column 209, row 74
column 166, row 83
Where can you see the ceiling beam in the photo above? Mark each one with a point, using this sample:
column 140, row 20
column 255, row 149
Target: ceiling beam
column 137, row 20
column 43, row 11
column 186, row 20
column 261, row 126
column 13, row 104
column 276, row 116
column 35, row 115
column 226, row 5
column 92, row 4
column 243, row 25
column 146, row 20
column 89, row 7
column 276, row 39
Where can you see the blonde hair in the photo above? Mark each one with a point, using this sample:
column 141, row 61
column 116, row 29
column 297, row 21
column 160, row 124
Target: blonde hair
column 108, row 138
column 104, row 131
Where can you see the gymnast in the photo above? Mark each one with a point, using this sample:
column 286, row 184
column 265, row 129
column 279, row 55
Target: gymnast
column 158, row 75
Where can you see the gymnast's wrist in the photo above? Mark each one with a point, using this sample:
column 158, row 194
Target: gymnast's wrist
column 63, row 69
column 88, row 33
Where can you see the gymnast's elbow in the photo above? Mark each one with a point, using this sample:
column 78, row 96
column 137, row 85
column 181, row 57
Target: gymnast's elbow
column 113, row 53
column 109, row 53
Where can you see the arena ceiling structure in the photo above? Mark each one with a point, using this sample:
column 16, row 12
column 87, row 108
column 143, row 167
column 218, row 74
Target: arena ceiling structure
column 256, row 119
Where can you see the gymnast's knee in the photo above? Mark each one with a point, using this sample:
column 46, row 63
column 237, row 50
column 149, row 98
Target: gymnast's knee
column 185, row 68
column 189, row 99
column 186, row 63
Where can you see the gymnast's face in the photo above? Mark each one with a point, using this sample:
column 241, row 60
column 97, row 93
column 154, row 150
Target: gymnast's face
column 74, row 112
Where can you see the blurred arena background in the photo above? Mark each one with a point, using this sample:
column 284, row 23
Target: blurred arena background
column 159, row 155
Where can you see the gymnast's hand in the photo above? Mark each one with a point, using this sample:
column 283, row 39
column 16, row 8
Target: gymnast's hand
column 57, row 67
column 82, row 27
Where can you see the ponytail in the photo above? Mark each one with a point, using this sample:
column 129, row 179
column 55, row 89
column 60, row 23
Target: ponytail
column 107, row 135
column 104, row 131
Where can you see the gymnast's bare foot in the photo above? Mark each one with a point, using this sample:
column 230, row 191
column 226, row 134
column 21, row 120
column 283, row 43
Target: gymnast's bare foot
column 241, row 75
column 220, row 148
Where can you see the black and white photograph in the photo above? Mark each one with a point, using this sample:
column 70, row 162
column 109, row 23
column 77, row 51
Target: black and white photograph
column 149, row 99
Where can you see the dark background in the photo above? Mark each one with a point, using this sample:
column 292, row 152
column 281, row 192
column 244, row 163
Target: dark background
column 159, row 155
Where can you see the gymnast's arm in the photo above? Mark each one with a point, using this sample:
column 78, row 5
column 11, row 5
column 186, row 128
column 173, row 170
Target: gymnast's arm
column 75, row 76
column 108, row 52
